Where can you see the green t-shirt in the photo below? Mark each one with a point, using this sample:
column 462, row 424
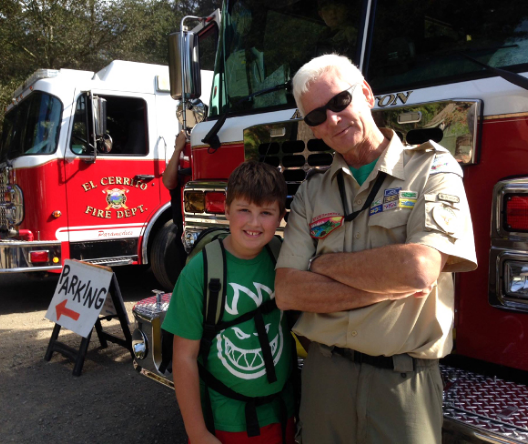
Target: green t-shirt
column 236, row 357
column 363, row 172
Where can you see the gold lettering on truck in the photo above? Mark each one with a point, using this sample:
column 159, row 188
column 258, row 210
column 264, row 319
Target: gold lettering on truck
column 116, row 199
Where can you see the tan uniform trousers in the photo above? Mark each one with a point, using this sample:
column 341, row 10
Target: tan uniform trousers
column 345, row 402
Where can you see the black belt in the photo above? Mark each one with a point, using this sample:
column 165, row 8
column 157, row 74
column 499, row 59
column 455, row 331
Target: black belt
column 362, row 358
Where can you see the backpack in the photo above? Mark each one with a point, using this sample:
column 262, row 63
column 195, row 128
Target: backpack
column 209, row 242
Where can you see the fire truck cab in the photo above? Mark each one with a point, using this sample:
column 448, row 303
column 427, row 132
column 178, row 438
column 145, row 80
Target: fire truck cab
column 81, row 160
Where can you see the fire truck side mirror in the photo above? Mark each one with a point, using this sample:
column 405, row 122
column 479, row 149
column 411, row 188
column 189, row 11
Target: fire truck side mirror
column 195, row 112
column 99, row 106
column 184, row 54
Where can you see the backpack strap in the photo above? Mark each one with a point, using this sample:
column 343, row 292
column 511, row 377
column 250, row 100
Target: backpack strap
column 215, row 275
column 215, row 293
column 215, row 272
column 252, row 423
column 273, row 248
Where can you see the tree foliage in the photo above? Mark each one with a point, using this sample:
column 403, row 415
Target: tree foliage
column 85, row 34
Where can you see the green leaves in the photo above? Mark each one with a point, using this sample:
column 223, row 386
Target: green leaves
column 84, row 34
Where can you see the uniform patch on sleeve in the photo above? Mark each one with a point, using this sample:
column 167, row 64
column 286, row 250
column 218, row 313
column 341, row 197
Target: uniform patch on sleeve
column 324, row 224
column 445, row 163
column 448, row 198
column 446, row 218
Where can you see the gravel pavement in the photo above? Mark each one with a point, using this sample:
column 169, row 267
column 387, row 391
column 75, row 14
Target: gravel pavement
column 42, row 402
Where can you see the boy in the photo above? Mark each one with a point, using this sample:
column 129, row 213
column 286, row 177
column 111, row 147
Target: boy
column 255, row 205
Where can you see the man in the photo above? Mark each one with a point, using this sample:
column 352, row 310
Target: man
column 375, row 287
column 342, row 18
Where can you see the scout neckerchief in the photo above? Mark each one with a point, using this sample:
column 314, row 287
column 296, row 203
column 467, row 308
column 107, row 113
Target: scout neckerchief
column 341, row 183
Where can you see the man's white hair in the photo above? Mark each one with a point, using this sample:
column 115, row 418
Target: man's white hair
column 316, row 67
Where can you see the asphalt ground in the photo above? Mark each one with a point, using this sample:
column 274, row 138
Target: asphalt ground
column 42, row 402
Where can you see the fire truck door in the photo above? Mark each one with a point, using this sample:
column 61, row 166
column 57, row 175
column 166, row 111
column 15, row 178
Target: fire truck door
column 112, row 195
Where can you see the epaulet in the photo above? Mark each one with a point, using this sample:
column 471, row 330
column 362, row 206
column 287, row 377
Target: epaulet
column 428, row 147
column 443, row 161
column 313, row 171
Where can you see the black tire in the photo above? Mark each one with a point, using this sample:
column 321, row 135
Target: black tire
column 167, row 256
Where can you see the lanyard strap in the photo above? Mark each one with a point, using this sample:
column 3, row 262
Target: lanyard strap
column 341, row 183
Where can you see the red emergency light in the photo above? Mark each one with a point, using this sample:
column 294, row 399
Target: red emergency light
column 215, row 202
column 39, row 256
column 517, row 212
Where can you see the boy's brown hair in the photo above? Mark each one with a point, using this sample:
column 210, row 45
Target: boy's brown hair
column 258, row 182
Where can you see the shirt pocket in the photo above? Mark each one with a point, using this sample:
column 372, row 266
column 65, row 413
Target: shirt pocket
column 388, row 227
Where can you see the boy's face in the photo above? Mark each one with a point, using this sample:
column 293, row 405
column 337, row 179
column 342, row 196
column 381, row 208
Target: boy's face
column 252, row 226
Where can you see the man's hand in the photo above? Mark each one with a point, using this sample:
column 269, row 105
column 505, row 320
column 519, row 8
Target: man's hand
column 417, row 294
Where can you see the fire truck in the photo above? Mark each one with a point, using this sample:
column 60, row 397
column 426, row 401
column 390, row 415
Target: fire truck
column 81, row 160
column 453, row 72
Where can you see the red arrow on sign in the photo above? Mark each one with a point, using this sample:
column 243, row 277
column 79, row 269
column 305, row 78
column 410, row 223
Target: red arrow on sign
column 62, row 310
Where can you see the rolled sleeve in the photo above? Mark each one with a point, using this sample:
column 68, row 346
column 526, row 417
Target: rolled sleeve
column 298, row 247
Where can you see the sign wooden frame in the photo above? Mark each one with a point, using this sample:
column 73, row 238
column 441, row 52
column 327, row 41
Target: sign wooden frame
column 78, row 356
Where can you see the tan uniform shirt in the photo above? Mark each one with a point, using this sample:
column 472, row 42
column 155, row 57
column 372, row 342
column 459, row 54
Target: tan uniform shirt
column 421, row 201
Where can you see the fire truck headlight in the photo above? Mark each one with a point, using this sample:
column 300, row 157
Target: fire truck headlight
column 139, row 344
column 189, row 238
column 16, row 211
column 194, row 202
column 516, row 279
column 9, row 194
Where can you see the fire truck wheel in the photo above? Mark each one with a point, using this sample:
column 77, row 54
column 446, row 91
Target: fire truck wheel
column 167, row 256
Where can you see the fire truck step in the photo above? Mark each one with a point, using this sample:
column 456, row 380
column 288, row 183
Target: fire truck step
column 112, row 261
column 486, row 403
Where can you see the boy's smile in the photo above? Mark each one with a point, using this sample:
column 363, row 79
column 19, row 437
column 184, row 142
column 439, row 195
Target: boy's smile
column 252, row 227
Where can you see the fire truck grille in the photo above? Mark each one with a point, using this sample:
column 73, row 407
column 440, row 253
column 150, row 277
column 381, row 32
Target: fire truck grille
column 296, row 153
column 490, row 404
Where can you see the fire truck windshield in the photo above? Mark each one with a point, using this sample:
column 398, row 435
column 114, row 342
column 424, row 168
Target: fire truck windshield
column 31, row 127
column 424, row 42
column 263, row 44
column 409, row 44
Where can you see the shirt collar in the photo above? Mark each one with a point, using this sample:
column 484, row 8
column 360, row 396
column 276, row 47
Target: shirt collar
column 390, row 161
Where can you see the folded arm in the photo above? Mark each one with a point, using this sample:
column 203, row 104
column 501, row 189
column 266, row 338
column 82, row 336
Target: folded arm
column 390, row 269
column 312, row 292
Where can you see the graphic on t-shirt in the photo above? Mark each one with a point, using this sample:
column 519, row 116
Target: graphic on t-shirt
column 241, row 360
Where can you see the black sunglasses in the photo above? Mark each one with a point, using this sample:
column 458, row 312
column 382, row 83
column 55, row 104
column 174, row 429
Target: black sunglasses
column 336, row 104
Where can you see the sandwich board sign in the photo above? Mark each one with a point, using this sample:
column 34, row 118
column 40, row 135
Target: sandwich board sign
column 84, row 295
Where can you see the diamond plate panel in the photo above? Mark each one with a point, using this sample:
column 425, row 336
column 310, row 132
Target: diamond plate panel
column 491, row 404
column 150, row 307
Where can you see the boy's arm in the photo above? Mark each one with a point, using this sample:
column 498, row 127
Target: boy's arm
column 187, row 387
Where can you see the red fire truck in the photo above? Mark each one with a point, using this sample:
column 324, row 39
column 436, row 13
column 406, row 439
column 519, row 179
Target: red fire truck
column 81, row 160
column 455, row 72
